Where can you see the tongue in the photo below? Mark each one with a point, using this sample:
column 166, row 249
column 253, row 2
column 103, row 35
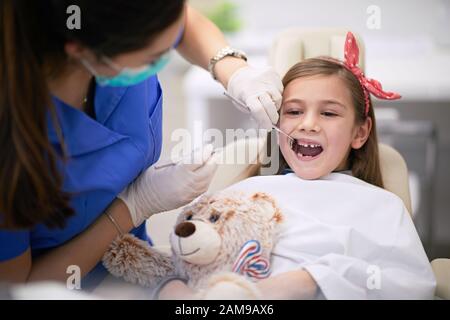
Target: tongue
column 307, row 151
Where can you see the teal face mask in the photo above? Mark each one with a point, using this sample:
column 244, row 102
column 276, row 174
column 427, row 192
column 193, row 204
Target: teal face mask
column 128, row 76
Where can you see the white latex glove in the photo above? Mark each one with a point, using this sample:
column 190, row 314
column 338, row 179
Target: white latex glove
column 260, row 90
column 167, row 188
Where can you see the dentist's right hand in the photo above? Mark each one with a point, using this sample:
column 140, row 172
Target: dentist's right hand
column 167, row 188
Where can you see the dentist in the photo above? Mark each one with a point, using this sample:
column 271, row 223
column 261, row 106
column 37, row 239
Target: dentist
column 81, row 125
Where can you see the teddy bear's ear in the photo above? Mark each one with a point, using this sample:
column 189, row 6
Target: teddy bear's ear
column 267, row 205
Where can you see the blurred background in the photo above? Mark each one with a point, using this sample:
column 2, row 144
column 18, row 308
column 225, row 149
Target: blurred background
column 407, row 49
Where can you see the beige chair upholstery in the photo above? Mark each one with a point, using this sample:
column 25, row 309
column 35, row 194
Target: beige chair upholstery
column 229, row 172
column 296, row 44
column 395, row 174
column 441, row 268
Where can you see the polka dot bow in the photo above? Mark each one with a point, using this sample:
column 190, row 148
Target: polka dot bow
column 351, row 54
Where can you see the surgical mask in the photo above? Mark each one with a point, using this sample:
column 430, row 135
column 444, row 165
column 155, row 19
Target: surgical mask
column 127, row 76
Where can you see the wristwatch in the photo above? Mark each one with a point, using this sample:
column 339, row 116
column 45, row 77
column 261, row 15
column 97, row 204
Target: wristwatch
column 222, row 53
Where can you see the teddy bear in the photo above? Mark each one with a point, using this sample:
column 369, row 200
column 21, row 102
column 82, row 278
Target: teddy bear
column 221, row 243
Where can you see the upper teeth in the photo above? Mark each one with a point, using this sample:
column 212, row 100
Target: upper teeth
column 309, row 145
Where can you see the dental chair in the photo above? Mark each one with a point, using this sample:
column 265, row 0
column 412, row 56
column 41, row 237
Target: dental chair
column 290, row 47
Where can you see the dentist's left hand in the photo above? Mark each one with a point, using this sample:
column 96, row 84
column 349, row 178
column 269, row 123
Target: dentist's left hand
column 260, row 89
column 163, row 189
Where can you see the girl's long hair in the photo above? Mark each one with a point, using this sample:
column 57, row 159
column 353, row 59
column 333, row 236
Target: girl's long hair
column 32, row 39
column 364, row 162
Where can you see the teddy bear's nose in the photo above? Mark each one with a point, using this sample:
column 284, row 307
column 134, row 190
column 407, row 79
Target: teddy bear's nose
column 185, row 229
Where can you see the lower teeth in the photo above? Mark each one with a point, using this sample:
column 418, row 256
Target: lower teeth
column 305, row 156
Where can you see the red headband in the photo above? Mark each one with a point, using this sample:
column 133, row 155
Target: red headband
column 351, row 52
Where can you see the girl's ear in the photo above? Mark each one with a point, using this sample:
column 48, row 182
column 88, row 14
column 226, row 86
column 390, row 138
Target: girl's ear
column 361, row 133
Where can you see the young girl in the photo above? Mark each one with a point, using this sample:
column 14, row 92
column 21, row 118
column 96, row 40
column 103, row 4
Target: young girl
column 343, row 236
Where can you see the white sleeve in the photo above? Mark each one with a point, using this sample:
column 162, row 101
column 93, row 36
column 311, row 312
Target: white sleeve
column 403, row 272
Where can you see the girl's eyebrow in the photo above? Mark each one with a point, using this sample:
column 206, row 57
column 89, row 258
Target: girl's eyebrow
column 331, row 101
column 294, row 100
column 322, row 102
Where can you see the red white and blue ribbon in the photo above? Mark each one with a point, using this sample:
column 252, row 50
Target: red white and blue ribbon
column 250, row 262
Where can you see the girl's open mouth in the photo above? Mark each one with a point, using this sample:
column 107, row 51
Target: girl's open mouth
column 306, row 150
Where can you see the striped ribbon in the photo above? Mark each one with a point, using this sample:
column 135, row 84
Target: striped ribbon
column 250, row 262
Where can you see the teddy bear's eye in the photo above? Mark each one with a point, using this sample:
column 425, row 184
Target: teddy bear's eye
column 213, row 218
column 189, row 217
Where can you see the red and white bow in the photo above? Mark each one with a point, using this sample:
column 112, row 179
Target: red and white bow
column 351, row 54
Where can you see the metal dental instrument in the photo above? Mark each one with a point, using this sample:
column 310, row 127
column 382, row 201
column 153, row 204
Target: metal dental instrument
column 245, row 107
column 166, row 165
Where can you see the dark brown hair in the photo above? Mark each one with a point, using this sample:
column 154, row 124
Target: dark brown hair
column 32, row 39
column 364, row 162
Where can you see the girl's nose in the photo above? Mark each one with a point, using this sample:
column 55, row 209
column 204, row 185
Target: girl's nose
column 309, row 123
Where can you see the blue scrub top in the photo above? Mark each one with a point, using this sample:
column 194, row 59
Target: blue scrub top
column 104, row 156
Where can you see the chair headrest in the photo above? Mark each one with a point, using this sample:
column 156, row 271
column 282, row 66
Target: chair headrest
column 296, row 44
